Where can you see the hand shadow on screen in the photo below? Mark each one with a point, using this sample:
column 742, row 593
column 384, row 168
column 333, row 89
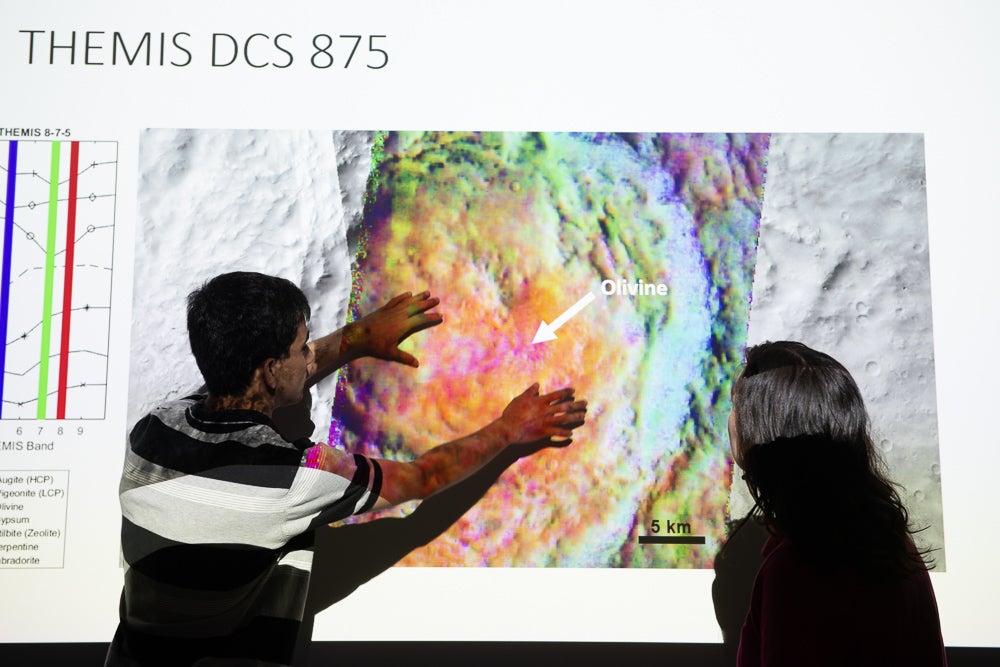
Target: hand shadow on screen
column 347, row 556
column 736, row 567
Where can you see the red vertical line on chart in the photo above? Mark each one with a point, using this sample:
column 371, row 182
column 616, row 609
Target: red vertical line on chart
column 8, row 240
column 67, row 310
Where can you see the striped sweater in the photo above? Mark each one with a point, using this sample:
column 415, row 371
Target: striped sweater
column 217, row 519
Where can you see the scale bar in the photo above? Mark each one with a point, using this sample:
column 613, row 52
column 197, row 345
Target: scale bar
column 671, row 539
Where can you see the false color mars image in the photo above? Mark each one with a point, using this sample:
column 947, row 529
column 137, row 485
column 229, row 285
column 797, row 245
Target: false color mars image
column 639, row 249
column 512, row 229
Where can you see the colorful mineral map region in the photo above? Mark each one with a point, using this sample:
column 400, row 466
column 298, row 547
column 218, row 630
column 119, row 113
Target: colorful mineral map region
column 620, row 264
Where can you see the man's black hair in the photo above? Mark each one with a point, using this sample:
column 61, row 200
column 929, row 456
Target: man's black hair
column 237, row 320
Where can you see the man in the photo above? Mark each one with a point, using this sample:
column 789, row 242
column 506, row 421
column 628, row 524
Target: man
column 218, row 509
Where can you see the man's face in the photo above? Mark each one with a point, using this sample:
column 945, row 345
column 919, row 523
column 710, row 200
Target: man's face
column 291, row 371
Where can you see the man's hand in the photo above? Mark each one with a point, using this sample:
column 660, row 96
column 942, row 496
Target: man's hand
column 533, row 418
column 379, row 333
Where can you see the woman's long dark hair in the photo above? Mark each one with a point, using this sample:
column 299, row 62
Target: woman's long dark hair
column 802, row 438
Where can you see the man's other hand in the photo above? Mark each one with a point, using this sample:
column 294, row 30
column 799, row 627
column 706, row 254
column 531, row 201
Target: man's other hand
column 379, row 333
column 548, row 418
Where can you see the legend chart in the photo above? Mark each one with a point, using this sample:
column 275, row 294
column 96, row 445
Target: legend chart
column 58, row 208
column 33, row 518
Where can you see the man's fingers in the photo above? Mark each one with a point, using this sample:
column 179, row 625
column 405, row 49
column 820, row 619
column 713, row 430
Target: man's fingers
column 559, row 395
column 568, row 413
column 575, row 406
column 570, row 425
column 422, row 302
column 531, row 391
column 406, row 358
column 568, row 420
column 425, row 322
column 398, row 299
column 553, row 397
column 417, row 303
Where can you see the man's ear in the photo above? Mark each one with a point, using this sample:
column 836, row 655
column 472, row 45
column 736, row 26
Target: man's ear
column 269, row 373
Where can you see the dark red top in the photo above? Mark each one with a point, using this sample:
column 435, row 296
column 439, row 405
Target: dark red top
column 801, row 614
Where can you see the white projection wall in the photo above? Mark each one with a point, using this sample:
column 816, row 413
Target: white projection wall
column 205, row 82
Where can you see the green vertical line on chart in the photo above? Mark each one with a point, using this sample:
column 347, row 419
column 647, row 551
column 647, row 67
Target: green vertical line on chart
column 50, row 266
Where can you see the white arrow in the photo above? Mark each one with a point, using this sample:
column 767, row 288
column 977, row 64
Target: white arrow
column 547, row 332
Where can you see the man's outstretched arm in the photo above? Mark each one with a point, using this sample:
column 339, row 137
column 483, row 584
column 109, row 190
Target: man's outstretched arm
column 529, row 418
column 377, row 334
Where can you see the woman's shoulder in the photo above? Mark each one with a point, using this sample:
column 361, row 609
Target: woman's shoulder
column 779, row 553
column 791, row 571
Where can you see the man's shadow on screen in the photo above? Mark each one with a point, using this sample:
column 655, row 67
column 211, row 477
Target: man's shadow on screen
column 347, row 556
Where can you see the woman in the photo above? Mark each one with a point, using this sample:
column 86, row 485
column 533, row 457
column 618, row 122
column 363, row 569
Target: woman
column 841, row 582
